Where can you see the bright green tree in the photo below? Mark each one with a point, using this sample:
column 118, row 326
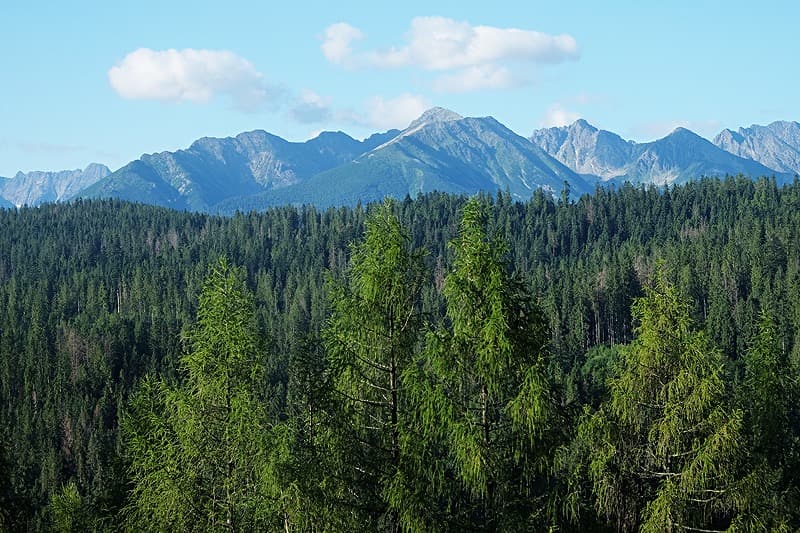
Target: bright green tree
column 69, row 510
column 199, row 451
column 664, row 449
column 485, row 398
column 370, row 338
column 769, row 397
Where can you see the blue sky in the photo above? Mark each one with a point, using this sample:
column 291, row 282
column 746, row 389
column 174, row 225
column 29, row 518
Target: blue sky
column 87, row 81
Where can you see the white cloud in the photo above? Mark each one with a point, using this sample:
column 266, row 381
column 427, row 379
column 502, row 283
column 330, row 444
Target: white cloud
column 311, row 108
column 479, row 55
column 376, row 113
column 337, row 40
column 439, row 43
column 189, row 75
column 475, row 78
column 395, row 112
column 556, row 116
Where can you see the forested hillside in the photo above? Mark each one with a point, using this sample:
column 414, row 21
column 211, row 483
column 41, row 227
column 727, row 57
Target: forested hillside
column 624, row 362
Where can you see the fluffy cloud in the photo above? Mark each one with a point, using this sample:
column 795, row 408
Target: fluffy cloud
column 556, row 116
column 311, row 108
column 438, row 43
column 189, row 75
column 394, row 112
column 479, row 55
column 337, row 40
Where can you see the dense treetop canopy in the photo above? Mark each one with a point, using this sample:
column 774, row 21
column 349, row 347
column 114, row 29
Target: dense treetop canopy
column 625, row 361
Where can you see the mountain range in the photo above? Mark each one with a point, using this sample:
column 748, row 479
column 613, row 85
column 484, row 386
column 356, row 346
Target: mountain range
column 679, row 157
column 34, row 188
column 775, row 146
column 441, row 150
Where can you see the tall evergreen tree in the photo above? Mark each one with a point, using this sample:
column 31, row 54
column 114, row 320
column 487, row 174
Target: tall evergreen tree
column 769, row 396
column 370, row 338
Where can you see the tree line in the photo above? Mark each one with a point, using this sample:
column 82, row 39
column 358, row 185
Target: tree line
column 624, row 362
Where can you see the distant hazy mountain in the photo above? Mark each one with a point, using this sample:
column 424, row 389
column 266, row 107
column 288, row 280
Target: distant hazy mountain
column 776, row 145
column 439, row 151
column 586, row 149
column 34, row 188
column 212, row 170
column 680, row 156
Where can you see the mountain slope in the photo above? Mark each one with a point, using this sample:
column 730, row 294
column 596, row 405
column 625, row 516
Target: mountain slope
column 680, row 156
column 212, row 170
column 439, row 151
column 586, row 149
column 137, row 182
column 776, row 145
column 34, row 188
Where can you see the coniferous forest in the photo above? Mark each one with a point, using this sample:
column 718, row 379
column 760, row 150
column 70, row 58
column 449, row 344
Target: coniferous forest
column 628, row 361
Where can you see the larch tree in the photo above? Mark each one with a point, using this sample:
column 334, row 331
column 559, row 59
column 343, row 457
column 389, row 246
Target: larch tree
column 664, row 449
column 370, row 339
column 768, row 396
column 483, row 393
column 199, row 450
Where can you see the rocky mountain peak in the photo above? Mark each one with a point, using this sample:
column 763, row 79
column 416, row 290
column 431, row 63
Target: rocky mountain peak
column 435, row 114
column 96, row 170
column 34, row 188
column 683, row 135
column 776, row 145
column 582, row 124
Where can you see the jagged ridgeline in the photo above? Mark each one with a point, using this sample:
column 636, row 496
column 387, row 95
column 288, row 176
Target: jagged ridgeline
column 113, row 361
column 440, row 151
